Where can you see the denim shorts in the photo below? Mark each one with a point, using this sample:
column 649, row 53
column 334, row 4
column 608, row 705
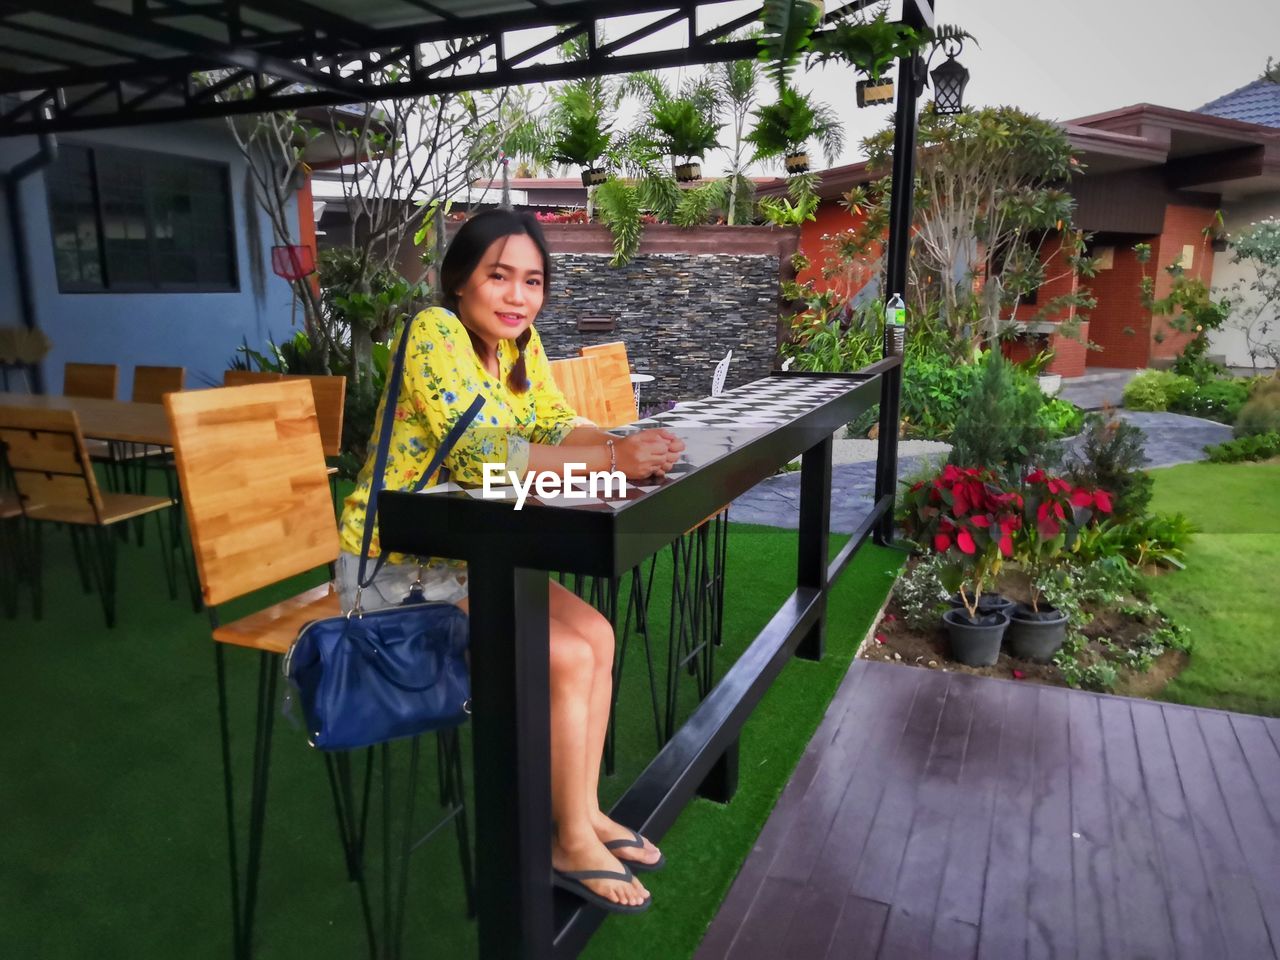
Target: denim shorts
column 441, row 583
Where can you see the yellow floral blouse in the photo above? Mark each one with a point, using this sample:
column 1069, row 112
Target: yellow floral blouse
column 442, row 376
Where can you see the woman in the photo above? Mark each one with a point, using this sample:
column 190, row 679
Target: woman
column 482, row 342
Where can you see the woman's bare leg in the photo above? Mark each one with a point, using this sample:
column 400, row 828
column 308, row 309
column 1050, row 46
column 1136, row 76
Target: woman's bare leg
column 584, row 619
column 576, row 845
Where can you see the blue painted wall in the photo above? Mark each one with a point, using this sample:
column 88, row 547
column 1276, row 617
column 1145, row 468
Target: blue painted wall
column 199, row 331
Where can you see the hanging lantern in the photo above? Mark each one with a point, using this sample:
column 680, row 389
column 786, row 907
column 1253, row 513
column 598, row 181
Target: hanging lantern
column 949, row 81
column 293, row 261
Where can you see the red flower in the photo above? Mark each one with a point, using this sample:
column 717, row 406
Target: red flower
column 942, row 542
column 1102, row 500
column 1006, row 545
column 1018, row 674
column 879, row 638
column 964, row 540
column 1036, row 476
column 980, row 521
column 1082, row 498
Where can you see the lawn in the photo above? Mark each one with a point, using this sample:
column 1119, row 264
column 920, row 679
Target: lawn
column 1228, row 596
column 111, row 795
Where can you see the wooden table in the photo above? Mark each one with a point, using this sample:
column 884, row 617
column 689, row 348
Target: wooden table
column 735, row 441
column 117, row 420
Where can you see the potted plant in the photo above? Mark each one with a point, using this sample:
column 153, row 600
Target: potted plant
column 785, row 127
column 685, row 128
column 579, row 131
column 964, row 515
column 1053, row 513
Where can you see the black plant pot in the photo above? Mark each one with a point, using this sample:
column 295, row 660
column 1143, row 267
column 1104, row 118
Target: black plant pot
column 687, row 172
column 975, row 643
column 594, row 176
column 1036, row 635
column 987, row 603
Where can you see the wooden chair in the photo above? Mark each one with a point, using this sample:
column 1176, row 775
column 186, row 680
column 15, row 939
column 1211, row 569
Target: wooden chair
column 11, row 552
column 242, row 378
column 330, row 393
column 97, row 380
column 55, row 482
column 150, row 384
column 579, row 379
column 615, row 383
column 255, row 488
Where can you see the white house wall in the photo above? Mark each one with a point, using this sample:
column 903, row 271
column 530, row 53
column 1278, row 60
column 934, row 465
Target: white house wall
column 1229, row 341
column 199, row 331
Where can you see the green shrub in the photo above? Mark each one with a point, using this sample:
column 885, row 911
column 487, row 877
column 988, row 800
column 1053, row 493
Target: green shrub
column 1260, row 446
column 1219, row 400
column 1156, row 390
column 1061, row 418
column 1260, row 415
column 1110, row 457
column 1158, row 538
column 999, row 425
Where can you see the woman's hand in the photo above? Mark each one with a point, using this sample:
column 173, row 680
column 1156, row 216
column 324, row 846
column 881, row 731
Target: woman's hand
column 648, row 453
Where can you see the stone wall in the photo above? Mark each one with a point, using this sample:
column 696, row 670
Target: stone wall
column 678, row 306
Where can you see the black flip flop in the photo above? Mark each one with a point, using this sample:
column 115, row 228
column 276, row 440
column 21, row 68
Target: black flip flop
column 636, row 865
column 571, row 880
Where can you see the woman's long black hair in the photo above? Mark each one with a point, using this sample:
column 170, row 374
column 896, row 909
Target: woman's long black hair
column 465, row 253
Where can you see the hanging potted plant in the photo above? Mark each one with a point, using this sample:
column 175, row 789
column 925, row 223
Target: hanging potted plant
column 871, row 46
column 964, row 515
column 579, row 131
column 785, row 128
column 685, row 128
column 1053, row 514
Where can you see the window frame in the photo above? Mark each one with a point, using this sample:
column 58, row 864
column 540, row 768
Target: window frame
column 223, row 170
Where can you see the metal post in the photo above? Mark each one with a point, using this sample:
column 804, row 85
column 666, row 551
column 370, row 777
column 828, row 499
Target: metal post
column 815, row 536
column 900, row 211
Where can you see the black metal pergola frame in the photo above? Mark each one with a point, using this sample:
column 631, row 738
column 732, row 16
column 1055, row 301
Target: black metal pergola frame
column 150, row 65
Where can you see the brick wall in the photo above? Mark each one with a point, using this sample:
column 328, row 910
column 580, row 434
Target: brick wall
column 1118, row 324
column 1183, row 227
column 1061, row 280
column 816, row 243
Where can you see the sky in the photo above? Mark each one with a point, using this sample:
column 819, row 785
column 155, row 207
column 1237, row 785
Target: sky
column 1062, row 60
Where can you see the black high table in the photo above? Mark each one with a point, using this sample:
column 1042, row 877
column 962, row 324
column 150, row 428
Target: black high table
column 749, row 434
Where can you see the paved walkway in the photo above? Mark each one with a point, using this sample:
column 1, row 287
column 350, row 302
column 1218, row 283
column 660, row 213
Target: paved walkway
column 1093, row 391
column 1174, row 438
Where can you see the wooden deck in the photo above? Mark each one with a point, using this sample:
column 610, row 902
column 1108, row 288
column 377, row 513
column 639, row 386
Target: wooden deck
column 950, row 816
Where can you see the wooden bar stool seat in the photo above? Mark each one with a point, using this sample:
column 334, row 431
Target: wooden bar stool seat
column 274, row 628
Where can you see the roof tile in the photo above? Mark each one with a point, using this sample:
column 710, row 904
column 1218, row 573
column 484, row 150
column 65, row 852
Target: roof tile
column 1257, row 102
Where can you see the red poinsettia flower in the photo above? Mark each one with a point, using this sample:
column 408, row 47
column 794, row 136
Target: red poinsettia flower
column 1036, row 476
column 942, row 542
column 1082, row 497
column 1006, row 545
column 1018, row 674
column 1102, row 500
column 981, row 520
column 964, row 540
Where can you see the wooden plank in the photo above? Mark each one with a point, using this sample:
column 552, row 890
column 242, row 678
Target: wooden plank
column 1196, row 927
column 892, row 690
column 96, row 380
column 1097, row 916
column 1051, row 892
column 858, row 930
column 1263, row 757
column 1140, row 889
column 1003, row 933
column 763, row 932
column 881, row 860
column 1242, row 920
column 955, row 940
column 915, row 898
column 103, row 419
column 746, row 886
column 963, row 879
column 1254, row 830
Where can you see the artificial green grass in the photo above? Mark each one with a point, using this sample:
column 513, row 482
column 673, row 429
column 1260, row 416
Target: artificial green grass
column 1227, row 596
column 114, row 841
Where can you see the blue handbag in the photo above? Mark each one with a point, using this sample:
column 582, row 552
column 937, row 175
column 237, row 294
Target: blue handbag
column 370, row 677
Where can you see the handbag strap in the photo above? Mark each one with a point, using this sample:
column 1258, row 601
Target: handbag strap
column 384, row 446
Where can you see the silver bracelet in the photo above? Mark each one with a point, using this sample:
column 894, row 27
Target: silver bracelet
column 613, row 455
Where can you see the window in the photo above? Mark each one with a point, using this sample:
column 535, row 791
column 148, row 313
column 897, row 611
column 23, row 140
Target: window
column 125, row 221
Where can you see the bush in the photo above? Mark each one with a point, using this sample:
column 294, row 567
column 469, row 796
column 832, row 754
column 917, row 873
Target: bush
column 1110, row 457
column 1219, row 400
column 1260, row 446
column 1156, row 390
column 1260, row 415
column 1061, row 418
column 999, row 425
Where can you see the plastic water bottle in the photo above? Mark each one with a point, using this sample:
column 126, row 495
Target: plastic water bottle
column 895, row 326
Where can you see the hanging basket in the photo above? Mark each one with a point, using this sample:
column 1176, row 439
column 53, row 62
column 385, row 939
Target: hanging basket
column 293, row 261
column 796, row 162
column 594, row 176
column 686, row 172
column 872, row 92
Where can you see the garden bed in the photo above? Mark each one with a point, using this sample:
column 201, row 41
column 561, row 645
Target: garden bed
column 1121, row 643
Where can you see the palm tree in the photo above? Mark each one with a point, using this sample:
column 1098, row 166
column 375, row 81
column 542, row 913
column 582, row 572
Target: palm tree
column 735, row 81
column 784, row 128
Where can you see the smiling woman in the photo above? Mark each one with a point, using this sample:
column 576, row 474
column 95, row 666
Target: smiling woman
column 481, row 345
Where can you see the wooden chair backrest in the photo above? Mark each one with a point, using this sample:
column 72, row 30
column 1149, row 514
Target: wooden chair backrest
column 46, row 456
column 150, row 384
column 97, row 380
column 615, row 382
column 579, row 380
column 330, row 395
column 254, row 484
column 241, row 378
